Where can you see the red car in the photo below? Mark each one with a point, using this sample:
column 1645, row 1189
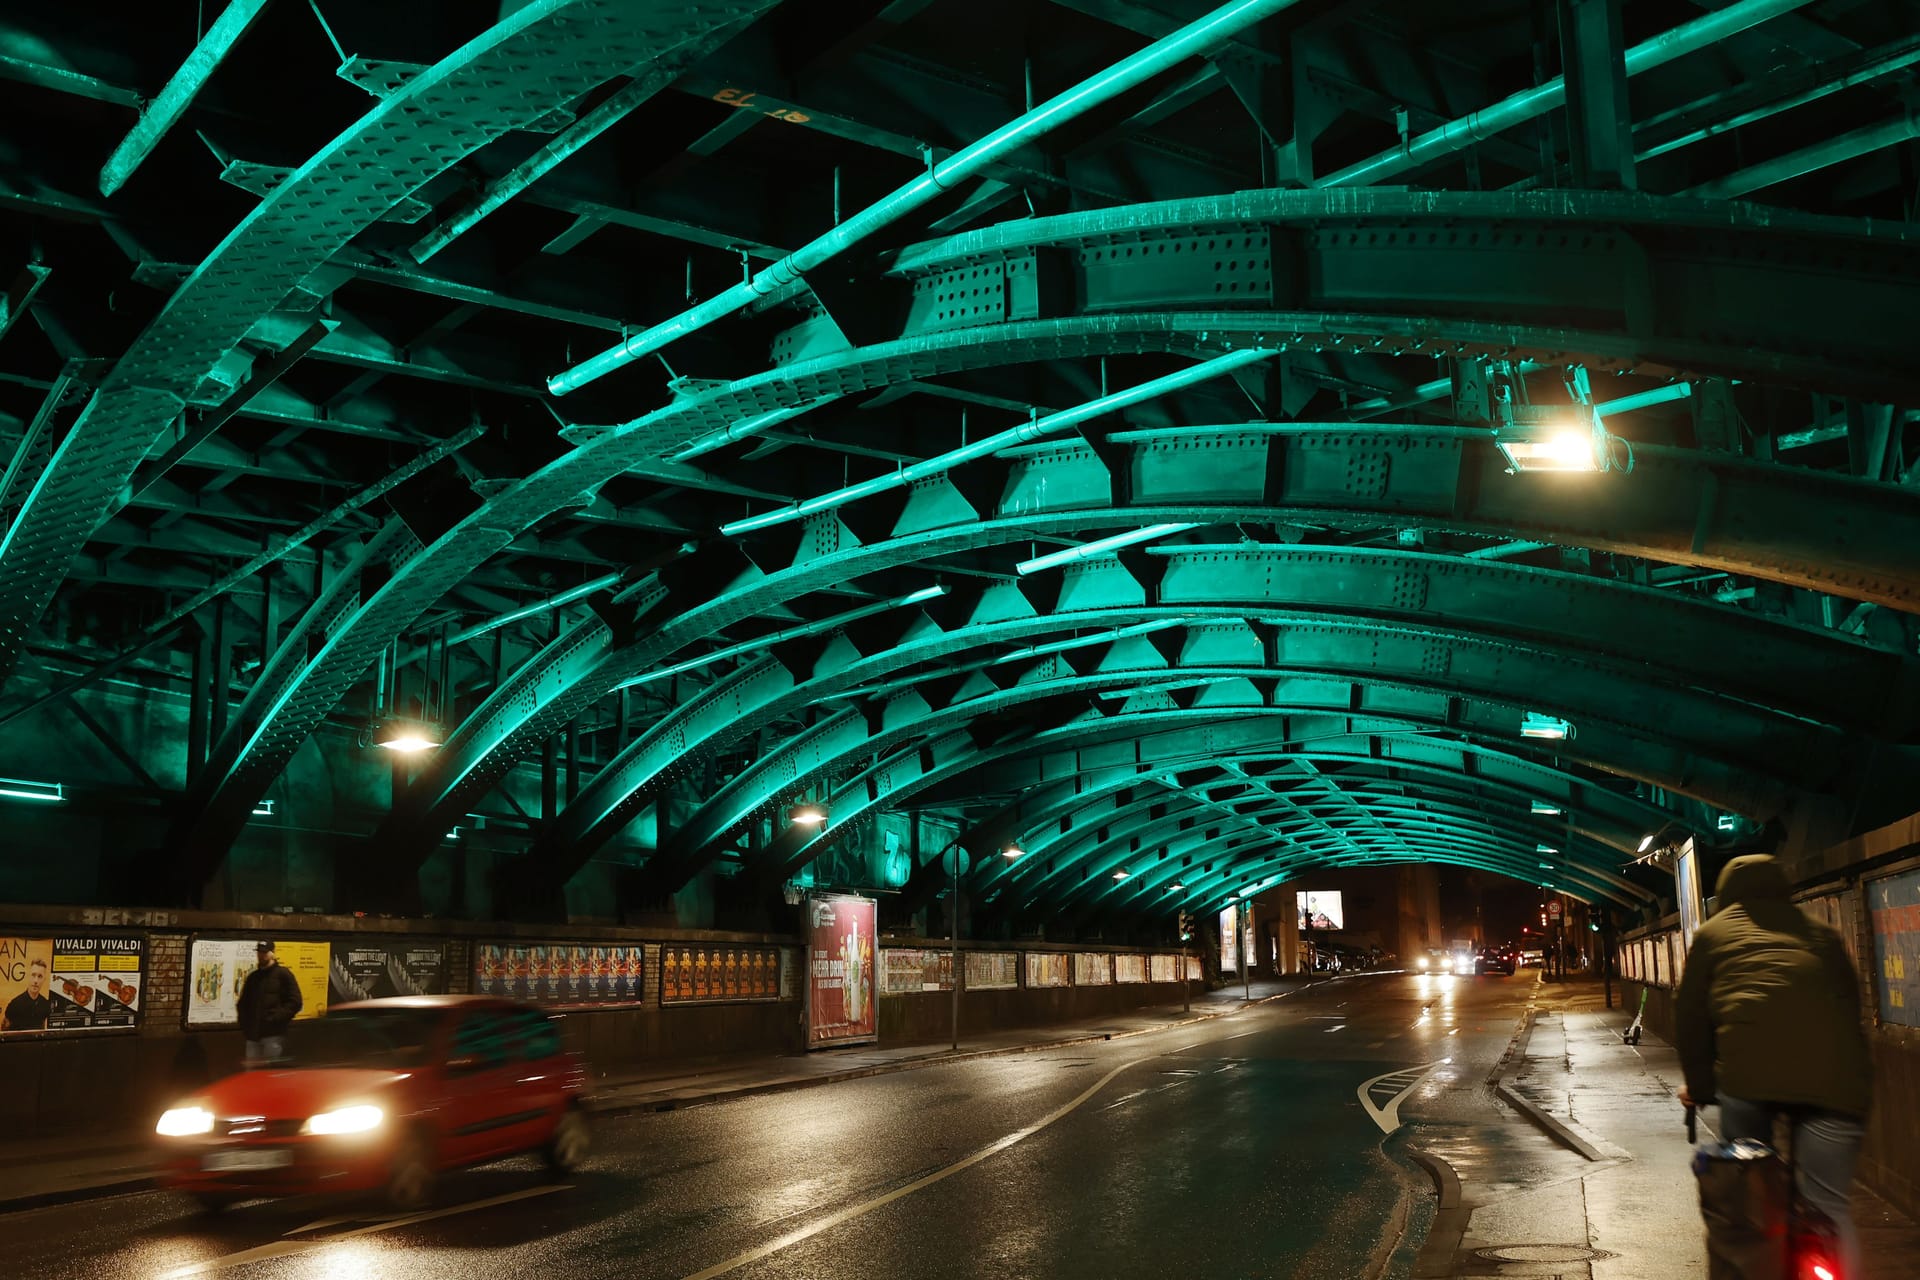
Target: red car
column 383, row 1095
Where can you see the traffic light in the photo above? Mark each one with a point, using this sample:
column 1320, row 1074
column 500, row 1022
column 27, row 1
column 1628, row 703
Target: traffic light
column 1186, row 927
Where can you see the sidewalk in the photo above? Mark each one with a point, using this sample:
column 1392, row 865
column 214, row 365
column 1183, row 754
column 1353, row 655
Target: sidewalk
column 1627, row 1209
column 52, row 1170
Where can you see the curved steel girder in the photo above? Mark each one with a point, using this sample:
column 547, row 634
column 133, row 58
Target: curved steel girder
column 1620, row 752
column 221, row 796
column 544, row 55
column 1694, row 643
column 1675, row 284
column 1583, row 690
column 1697, row 508
column 1453, row 810
column 1067, row 873
column 1800, row 669
column 1089, row 799
column 1437, row 827
column 893, row 780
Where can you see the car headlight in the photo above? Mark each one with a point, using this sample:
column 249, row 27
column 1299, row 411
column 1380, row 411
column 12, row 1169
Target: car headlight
column 1422, row 962
column 184, row 1122
column 345, row 1120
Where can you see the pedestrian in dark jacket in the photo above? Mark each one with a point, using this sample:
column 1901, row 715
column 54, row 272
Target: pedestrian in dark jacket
column 1768, row 1021
column 269, row 999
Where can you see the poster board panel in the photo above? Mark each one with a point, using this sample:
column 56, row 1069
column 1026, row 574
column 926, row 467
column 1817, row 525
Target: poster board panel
column 1893, row 906
column 218, row 967
column 993, row 970
column 70, row 982
column 841, row 959
column 706, row 973
column 562, row 975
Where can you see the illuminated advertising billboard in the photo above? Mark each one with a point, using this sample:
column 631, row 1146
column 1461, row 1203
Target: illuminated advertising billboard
column 1230, row 940
column 1321, row 911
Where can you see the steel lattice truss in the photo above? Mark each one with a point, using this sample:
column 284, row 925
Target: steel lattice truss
column 688, row 391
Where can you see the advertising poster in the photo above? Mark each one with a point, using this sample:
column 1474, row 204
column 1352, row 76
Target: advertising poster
column 1893, row 904
column 1092, row 970
column 70, row 983
column 993, row 970
column 1164, row 969
column 1194, row 971
column 841, row 1008
column 1835, row 910
column 1321, row 911
column 218, row 967
column 696, row 973
column 1693, row 907
column 1049, row 969
column 1129, row 968
column 363, row 969
column 1230, row 940
column 909, row 969
column 561, row 974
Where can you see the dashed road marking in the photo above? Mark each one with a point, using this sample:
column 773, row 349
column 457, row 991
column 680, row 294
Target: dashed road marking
column 1382, row 1095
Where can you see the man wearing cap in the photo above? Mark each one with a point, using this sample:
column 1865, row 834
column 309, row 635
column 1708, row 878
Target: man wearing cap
column 269, row 999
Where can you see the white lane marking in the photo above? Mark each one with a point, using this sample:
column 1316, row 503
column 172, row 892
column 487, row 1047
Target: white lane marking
column 868, row 1206
column 1256, row 1031
column 1402, row 1082
column 281, row 1248
column 1341, row 1027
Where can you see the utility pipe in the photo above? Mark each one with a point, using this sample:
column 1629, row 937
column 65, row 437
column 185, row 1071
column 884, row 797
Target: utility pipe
column 1529, row 104
column 1821, row 155
column 166, row 109
column 1883, row 62
column 1194, row 38
column 557, row 601
column 1202, row 372
column 1644, row 399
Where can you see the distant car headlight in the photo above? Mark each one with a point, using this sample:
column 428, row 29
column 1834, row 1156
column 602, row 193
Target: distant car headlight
column 346, row 1120
column 184, row 1122
column 1422, row 962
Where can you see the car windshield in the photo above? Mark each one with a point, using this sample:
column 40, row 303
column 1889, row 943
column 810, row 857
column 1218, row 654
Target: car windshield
column 389, row 1038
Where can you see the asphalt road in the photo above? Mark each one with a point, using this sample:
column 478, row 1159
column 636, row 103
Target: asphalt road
column 1237, row 1147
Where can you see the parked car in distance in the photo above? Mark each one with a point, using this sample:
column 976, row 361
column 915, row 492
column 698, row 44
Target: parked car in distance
column 382, row 1095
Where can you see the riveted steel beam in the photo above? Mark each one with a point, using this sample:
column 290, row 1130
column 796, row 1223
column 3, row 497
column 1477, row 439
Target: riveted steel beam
column 1681, row 505
column 893, row 779
column 1806, row 671
column 236, row 772
column 1391, row 675
column 546, row 53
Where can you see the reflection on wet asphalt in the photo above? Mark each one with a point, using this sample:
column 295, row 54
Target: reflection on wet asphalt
column 1234, row 1147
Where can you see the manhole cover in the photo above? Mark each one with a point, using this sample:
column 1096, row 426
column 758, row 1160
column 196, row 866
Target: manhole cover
column 1541, row 1253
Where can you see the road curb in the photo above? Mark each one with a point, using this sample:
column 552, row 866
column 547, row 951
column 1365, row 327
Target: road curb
column 98, row 1191
column 1565, row 1132
column 1449, row 1220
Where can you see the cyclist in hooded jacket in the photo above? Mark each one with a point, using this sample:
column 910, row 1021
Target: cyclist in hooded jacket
column 1767, row 1021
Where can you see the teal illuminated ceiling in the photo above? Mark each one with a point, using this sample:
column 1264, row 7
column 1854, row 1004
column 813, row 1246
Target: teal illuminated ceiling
column 1076, row 419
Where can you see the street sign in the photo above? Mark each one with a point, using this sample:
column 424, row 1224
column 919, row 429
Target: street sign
column 1553, row 908
column 953, row 854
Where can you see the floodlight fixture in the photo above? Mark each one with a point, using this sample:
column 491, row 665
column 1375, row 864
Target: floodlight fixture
column 1726, row 822
column 263, row 809
column 406, row 737
column 1533, row 724
column 1013, row 851
column 1563, row 438
column 1122, row 874
column 1546, row 810
column 807, row 815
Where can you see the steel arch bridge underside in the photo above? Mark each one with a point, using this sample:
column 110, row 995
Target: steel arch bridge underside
column 1324, row 658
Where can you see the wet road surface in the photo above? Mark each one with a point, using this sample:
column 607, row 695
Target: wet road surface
column 1237, row 1147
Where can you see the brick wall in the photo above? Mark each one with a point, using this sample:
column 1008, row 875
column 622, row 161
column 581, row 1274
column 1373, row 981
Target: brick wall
column 166, row 983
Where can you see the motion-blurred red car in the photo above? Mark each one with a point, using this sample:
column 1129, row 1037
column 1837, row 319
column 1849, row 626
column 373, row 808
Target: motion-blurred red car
column 382, row 1095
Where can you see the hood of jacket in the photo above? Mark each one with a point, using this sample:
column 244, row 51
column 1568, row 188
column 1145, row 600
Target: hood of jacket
column 1753, row 877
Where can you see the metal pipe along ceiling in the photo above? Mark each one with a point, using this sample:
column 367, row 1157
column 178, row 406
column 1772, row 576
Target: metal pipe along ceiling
column 1194, row 38
column 1529, row 104
column 1821, row 155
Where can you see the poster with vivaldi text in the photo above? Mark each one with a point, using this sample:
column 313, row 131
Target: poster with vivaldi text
column 218, row 967
column 841, row 1008
column 70, row 983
